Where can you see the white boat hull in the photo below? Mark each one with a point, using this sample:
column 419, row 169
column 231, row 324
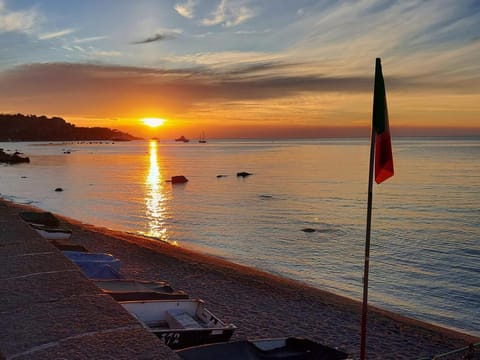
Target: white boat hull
column 180, row 323
column 52, row 233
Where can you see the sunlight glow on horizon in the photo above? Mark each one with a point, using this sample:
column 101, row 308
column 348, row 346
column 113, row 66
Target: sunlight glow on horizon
column 153, row 122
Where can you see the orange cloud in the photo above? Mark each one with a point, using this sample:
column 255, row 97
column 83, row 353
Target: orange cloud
column 266, row 97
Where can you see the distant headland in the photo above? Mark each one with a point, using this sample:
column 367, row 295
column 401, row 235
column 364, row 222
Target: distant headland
column 20, row 127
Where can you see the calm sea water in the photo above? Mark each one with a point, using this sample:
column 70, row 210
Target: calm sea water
column 425, row 251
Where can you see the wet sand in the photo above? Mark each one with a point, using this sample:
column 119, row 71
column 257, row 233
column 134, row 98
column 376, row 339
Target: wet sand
column 262, row 305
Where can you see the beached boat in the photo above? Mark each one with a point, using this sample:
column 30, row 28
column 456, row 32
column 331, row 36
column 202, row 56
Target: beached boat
column 52, row 233
column 40, row 218
column 132, row 290
column 470, row 352
column 180, row 323
column 96, row 265
column 68, row 246
column 283, row 348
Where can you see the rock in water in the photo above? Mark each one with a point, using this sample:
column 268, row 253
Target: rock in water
column 179, row 179
column 243, row 174
column 12, row 158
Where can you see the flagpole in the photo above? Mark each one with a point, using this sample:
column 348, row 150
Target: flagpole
column 367, row 248
column 381, row 162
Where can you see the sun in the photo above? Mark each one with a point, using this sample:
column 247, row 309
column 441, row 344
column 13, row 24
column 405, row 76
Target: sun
column 153, row 122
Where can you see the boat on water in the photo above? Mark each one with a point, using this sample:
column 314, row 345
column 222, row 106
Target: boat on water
column 180, row 323
column 52, row 233
column 202, row 139
column 282, row 348
column 183, row 139
column 132, row 290
column 95, row 265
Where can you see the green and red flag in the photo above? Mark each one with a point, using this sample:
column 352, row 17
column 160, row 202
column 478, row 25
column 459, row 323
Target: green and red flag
column 383, row 142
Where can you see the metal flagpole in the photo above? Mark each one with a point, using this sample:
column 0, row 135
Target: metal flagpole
column 363, row 334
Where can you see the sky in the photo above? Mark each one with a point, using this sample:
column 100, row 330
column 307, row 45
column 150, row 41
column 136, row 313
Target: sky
column 243, row 68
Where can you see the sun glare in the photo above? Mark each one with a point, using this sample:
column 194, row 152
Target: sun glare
column 153, row 122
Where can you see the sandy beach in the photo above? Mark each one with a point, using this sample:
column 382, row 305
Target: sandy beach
column 262, row 305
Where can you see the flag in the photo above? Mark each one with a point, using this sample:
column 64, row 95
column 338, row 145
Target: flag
column 381, row 129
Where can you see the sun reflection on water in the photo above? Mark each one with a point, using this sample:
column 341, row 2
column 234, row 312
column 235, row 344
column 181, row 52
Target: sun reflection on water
column 155, row 198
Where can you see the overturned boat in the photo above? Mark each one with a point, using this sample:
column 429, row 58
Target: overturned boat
column 132, row 290
column 180, row 323
column 283, row 348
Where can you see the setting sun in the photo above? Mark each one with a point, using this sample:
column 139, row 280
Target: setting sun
column 153, row 122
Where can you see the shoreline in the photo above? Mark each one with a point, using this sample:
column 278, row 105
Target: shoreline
column 264, row 305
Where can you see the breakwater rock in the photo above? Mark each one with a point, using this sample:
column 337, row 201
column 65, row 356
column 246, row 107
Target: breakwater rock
column 14, row 158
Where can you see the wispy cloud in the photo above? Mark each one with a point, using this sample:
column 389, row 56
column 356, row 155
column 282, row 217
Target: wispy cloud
column 89, row 39
column 222, row 61
column 57, row 34
column 16, row 21
column 159, row 36
column 256, row 81
column 185, row 9
column 414, row 32
column 90, row 52
column 79, row 48
column 104, row 53
column 229, row 14
column 252, row 32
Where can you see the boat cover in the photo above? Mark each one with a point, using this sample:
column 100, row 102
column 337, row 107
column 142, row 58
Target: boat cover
column 95, row 265
column 99, row 271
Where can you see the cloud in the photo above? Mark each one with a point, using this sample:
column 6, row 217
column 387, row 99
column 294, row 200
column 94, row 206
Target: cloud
column 268, row 90
column 185, row 9
column 17, row 21
column 56, row 34
column 347, row 37
column 229, row 14
column 154, row 38
column 226, row 58
column 100, row 85
column 89, row 39
column 91, row 52
column 252, row 32
column 104, row 53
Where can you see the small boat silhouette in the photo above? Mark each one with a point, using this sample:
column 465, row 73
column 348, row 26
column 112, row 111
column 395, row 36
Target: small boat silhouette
column 182, row 138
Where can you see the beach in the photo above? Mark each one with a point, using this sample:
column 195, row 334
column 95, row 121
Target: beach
column 262, row 305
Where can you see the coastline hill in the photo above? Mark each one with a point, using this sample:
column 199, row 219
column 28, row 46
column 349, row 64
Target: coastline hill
column 20, row 127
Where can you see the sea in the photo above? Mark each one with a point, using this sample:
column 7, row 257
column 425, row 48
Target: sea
column 425, row 236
